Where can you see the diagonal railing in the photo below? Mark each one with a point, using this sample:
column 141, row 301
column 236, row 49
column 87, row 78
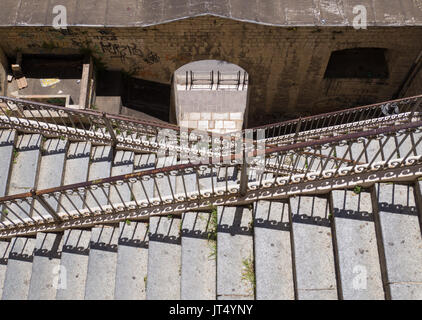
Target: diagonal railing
column 146, row 136
column 343, row 121
column 339, row 161
column 100, row 128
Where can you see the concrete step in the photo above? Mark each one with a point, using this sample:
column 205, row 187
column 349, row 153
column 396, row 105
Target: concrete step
column 144, row 190
column 51, row 172
column 76, row 171
column 73, row 265
column 167, row 184
column 24, row 172
column 4, row 255
column 372, row 153
column 132, row 261
column 100, row 167
column 407, row 145
column 198, row 280
column 164, row 259
column 235, row 257
column 358, row 258
column 122, row 164
column 273, row 253
column 401, row 237
column 417, row 140
column 313, row 248
column 101, row 276
column 7, row 142
column 389, row 148
column 19, row 269
column 46, row 267
column 164, row 253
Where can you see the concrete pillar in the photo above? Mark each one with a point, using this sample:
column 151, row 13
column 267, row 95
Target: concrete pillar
column 3, row 73
column 211, row 95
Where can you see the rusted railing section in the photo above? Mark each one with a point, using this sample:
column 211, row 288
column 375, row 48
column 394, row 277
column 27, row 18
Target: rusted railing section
column 237, row 178
column 343, row 121
column 146, row 136
column 102, row 128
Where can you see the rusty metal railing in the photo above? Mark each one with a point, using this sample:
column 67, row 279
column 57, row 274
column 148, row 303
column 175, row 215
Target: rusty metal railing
column 145, row 136
column 237, row 179
column 102, row 128
column 343, row 121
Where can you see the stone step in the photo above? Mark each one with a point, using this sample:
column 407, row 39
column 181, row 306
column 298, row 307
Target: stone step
column 51, row 172
column 164, row 253
column 74, row 265
column 19, row 269
column 46, row 267
column 389, row 148
column 100, row 168
column 144, row 190
column 235, row 257
column 358, row 258
column 76, row 171
column 24, row 172
column 198, row 280
column 131, row 255
column 313, row 248
column 166, row 185
column 132, row 261
column 401, row 237
column 101, row 276
column 4, row 255
column 417, row 140
column 7, row 142
column 273, row 253
column 407, row 145
column 164, row 259
column 122, row 164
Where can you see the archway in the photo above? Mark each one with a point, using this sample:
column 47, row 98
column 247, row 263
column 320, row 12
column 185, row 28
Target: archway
column 210, row 95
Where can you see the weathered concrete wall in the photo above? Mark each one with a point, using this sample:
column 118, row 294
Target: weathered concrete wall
column 152, row 12
column 415, row 82
column 3, row 73
column 286, row 65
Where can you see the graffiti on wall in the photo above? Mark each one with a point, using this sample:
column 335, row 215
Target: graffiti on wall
column 124, row 51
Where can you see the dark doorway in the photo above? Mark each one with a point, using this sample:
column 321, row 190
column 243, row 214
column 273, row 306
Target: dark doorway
column 149, row 97
column 364, row 63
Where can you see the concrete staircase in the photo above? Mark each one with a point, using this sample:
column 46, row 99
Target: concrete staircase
column 345, row 244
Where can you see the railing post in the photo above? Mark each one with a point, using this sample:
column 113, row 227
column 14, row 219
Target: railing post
column 299, row 125
column 110, row 129
column 244, row 178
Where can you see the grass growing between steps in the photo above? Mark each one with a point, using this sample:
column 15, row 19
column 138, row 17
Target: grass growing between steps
column 357, row 190
column 212, row 234
column 248, row 273
column 15, row 155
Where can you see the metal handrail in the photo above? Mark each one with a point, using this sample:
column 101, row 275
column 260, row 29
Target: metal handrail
column 385, row 111
column 138, row 135
column 100, row 127
column 181, row 184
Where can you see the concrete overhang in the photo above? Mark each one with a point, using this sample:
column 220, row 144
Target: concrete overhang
column 284, row 13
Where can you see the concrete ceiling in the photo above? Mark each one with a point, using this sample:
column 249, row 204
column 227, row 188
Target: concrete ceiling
column 151, row 12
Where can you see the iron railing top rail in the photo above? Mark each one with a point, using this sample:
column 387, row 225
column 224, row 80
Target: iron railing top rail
column 334, row 118
column 163, row 125
column 100, row 115
column 89, row 112
column 229, row 161
column 114, row 125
